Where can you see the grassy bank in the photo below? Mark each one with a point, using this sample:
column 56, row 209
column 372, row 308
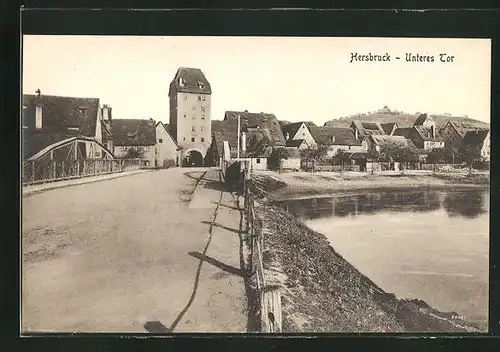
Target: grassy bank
column 322, row 292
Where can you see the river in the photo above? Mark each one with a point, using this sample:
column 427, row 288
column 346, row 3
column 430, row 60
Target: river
column 431, row 245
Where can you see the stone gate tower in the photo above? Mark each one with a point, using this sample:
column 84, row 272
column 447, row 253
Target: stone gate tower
column 190, row 108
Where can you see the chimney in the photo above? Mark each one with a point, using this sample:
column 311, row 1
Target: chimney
column 243, row 142
column 38, row 93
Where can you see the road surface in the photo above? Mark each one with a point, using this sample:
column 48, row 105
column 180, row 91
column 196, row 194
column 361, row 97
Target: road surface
column 142, row 253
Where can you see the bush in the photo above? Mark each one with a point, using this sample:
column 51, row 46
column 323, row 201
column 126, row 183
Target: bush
column 169, row 163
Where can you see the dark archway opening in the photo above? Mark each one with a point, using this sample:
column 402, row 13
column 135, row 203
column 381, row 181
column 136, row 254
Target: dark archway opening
column 193, row 159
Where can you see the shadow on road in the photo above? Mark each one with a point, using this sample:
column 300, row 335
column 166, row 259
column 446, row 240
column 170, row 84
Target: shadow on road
column 226, row 206
column 218, row 264
column 221, row 226
column 156, row 327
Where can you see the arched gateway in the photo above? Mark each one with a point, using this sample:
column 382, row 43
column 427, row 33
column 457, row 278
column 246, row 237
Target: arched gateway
column 192, row 158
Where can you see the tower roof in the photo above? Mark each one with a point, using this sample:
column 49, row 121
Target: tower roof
column 190, row 80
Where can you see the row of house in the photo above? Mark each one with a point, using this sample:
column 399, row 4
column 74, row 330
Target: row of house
column 192, row 138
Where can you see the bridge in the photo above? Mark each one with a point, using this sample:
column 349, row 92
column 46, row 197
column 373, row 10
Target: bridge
column 156, row 251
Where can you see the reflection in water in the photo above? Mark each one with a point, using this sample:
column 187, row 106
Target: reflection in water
column 465, row 203
column 432, row 245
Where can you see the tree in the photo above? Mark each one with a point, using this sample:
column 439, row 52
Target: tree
column 470, row 153
column 407, row 155
column 315, row 153
column 133, row 153
column 340, row 158
column 275, row 159
column 373, row 156
column 257, row 145
column 435, row 156
column 451, row 154
column 392, row 152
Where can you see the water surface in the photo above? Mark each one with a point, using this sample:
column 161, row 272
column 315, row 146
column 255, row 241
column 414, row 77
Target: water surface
column 431, row 245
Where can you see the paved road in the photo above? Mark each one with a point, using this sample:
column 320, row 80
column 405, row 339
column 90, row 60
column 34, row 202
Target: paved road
column 124, row 255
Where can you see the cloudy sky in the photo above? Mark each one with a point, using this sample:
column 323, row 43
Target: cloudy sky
column 294, row 78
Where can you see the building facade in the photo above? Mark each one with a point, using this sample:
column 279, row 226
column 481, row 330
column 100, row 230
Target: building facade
column 167, row 153
column 190, row 114
column 135, row 139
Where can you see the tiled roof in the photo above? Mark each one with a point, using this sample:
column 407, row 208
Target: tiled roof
column 59, row 113
column 367, row 128
column 267, row 123
column 463, row 127
column 388, row 127
column 133, row 132
column 294, row 143
column 190, row 80
column 403, row 131
column 343, row 135
column 383, row 140
column 475, row 138
column 291, row 129
column 420, row 120
column 426, row 134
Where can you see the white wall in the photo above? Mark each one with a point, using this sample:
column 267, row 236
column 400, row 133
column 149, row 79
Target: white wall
column 303, row 133
column 428, row 145
column 167, row 149
column 258, row 164
column 291, row 163
column 149, row 152
column 332, row 150
column 486, row 148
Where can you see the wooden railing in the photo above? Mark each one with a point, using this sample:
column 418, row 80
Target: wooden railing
column 269, row 295
column 41, row 171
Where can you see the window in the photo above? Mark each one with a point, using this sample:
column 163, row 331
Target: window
column 124, row 149
column 202, row 139
column 38, row 113
column 73, row 129
column 185, row 115
column 193, row 128
column 258, row 161
column 199, row 98
column 194, row 117
column 203, row 108
column 303, row 134
column 184, row 139
column 194, row 107
column 201, row 128
column 146, row 149
column 203, row 117
column 82, row 110
column 160, row 140
column 203, row 98
column 185, row 97
column 192, row 139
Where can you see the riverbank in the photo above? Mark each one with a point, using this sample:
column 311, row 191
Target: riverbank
column 304, row 184
column 321, row 291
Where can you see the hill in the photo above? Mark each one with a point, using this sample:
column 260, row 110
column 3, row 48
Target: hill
column 402, row 119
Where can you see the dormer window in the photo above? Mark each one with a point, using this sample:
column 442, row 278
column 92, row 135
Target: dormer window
column 82, row 110
column 73, row 129
column 333, row 139
column 201, row 85
column 181, row 82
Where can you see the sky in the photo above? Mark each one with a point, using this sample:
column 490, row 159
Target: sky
column 296, row 78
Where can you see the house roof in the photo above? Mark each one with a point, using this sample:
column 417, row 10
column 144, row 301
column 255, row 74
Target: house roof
column 190, row 80
column 463, row 127
column 403, row 131
column 388, row 127
column 426, row 134
column 166, row 127
column 475, row 138
column 384, row 139
column 421, row 119
column 366, row 128
column 267, row 123
column 343, row 135
column 134, row 132
column 294, row 143
column 59, row 113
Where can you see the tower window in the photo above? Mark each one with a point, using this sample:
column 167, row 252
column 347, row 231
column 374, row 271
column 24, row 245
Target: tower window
column 192, row 139
column 201, row 128
column 203, row 98
column 185, row 116
column 203, row 108
column 194, row 117
column 202, row 139
column 199, row 98
column 194, row 107
column 160, row 140
column 203, row 117
column 184, row 139
column 193, row 128
column 185, row 97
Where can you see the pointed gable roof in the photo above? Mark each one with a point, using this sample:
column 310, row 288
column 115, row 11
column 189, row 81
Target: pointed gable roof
column 189, row 80
column 389, row 127
column 475, row 138
column 366, row 128
column 267, row 123
column 167, row 129
column 334, row 135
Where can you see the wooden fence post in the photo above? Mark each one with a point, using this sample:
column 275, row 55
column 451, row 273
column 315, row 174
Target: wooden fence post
column 54, row 169
column 270, row 310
